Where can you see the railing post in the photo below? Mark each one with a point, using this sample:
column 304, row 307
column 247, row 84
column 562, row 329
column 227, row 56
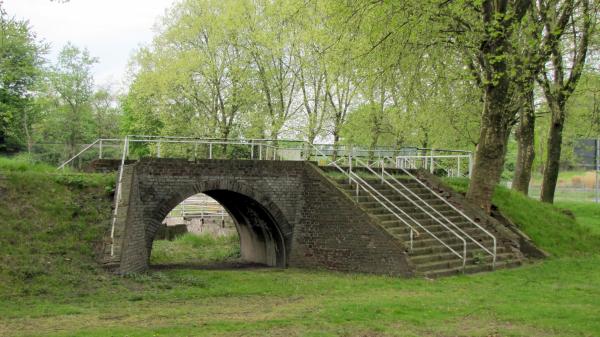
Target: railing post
column 470, row 164
column 195, row 150
column 431, row 165
column 350, row 166
column 259, row 151
column 458, row 166
column 251, row 149
column 100, row 150
column 118, row 195
column 209, row 150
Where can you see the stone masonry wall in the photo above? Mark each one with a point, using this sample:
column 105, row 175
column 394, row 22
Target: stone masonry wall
column 319, row 226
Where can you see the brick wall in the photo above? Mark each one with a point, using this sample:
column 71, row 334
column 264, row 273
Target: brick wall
column 288, row 214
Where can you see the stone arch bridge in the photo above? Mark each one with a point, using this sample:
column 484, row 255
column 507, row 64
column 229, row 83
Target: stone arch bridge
column 292, row 214
column 287, row 213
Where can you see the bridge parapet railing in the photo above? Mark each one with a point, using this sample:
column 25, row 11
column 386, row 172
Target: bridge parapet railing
column 448, row 163
column 134, row 147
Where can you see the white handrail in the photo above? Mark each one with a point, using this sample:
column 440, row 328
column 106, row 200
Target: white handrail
column 358, row 180
column 463, row 257
column 75, row 156
column 437, row 212
column 459, row 212
column 118, row 196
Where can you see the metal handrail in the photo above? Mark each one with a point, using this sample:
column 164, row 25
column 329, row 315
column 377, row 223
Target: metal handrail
column 493, row 254
column 485, row 231
column 118, row 195
column 463, row 257
column 413, row 231
column 77, row 155
column 358, row 181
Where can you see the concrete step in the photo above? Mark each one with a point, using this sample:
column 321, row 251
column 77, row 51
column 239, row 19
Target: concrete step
column 442, row 233
column 390, row 191
column 454, row 242
column 377, row 182
column 447, row 256
column 421, row 217
column 414, row 209
column 439, row 249
column 435, row 203
column 400, row 228
column 471, row 269
column 456, row 262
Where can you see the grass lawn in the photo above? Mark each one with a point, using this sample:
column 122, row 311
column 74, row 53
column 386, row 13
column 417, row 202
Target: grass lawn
column 50, row 285
column 192, row 248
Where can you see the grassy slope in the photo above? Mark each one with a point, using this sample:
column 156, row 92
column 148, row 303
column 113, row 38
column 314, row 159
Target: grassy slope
column 43, row 221
column 587, row 213
column 548, row 227
column 48, row 220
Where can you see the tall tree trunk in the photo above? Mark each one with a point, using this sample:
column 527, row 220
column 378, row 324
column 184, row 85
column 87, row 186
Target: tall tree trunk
column 525, row 135
column 554, row 149
column 491, row 148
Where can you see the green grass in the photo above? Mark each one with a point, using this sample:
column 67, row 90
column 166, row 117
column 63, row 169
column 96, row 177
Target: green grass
column 51, row 286
column 550, row 229
column 194, row 248
column 537, row 177
column 49, row 222
column 586, row 213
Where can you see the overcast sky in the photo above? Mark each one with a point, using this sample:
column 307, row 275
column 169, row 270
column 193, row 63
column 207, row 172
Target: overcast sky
column 110, row 29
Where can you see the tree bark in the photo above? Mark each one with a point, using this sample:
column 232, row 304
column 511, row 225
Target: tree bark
column 491, row 148
column 554, row 148
column 500, row 19
column 525, row 135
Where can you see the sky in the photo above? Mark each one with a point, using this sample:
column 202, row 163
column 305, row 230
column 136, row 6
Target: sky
column 110, row 29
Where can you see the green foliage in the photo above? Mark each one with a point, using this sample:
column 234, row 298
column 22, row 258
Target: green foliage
column 21, row 59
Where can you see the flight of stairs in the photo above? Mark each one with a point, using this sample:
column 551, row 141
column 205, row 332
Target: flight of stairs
column 431, row 258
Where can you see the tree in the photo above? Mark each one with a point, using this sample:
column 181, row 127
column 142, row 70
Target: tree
column 545, row 27
column 495, row 72
column 105, row 113
column 72, row 89
column 559, row 79
column 272, row 46
column 21, row 60
column 196, row 77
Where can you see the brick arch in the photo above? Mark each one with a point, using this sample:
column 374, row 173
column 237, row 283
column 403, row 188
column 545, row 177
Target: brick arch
column 257, row 217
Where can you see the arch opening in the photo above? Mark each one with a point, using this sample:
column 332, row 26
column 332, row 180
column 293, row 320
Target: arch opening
column 227, row 218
